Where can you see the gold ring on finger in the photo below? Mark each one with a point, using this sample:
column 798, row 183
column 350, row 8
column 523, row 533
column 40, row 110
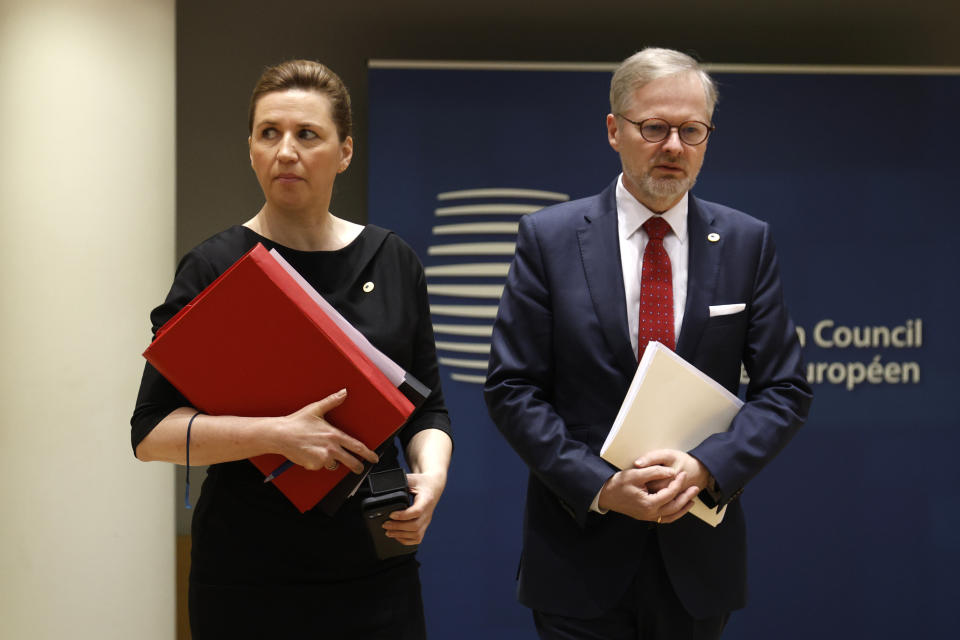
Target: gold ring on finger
column 659, row 518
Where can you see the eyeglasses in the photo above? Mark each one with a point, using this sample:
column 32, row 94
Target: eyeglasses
column 691, row 132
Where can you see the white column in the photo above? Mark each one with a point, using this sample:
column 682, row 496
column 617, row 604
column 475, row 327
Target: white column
column 86, row 249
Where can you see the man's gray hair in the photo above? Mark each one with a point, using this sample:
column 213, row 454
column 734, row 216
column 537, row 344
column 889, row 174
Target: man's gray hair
column 651, row 64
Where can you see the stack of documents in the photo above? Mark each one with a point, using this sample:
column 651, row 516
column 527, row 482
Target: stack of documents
column 260, row 341
column 670, row 405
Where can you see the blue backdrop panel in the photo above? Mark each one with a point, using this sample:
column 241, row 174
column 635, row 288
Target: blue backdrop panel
column 854, row 528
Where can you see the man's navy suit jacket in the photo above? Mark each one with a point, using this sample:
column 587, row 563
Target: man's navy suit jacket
column 560, row 366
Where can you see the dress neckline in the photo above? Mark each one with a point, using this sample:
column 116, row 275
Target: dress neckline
column 285, row 248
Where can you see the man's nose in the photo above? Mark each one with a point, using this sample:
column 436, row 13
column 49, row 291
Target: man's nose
column 672, row 142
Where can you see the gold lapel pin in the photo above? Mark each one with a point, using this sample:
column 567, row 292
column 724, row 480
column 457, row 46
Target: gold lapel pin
column 367, row 287
column 713, row 237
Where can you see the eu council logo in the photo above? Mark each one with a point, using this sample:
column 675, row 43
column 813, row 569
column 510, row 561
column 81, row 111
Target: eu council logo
column 472, row 244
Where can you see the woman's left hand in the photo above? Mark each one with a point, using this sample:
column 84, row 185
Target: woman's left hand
column 409, row 526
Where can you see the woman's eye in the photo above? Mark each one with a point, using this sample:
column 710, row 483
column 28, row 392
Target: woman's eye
column 307, row 134
column 269, row 133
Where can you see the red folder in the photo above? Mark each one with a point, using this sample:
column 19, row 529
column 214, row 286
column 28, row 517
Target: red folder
column 254, row 343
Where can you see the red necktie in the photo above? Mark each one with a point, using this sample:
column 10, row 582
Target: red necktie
column 656, row 289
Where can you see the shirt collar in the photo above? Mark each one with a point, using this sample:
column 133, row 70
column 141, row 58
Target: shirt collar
column 631, row 214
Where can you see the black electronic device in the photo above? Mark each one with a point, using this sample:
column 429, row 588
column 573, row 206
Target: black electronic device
column 388, row 493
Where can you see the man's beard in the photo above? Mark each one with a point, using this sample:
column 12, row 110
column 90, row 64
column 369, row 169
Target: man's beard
column 666, row 188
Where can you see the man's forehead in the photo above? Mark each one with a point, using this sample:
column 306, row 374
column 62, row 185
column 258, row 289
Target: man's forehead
column 682, row 94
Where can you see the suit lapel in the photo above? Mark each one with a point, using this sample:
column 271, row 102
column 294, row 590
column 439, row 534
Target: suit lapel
column 703, row 267
column 600, row 255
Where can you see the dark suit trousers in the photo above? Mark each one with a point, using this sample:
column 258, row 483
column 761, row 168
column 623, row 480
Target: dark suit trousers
column 649, row 610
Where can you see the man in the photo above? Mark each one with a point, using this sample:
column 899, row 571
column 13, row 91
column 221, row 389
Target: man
column 607, row 553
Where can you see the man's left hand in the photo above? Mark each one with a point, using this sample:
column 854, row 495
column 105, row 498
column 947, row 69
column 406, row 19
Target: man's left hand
column 696, row 474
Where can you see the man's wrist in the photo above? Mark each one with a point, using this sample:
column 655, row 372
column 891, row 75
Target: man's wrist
column 595, row 505
column 711, row 495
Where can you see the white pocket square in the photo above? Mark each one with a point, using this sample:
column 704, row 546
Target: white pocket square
column 726, row 309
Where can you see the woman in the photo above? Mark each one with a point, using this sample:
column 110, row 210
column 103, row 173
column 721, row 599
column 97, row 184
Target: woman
column 260, row 567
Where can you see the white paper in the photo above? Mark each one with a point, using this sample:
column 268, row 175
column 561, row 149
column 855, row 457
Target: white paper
column 670, row 405
column 712, row 517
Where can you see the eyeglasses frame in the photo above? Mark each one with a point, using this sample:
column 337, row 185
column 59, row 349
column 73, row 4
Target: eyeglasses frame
column 639, row 126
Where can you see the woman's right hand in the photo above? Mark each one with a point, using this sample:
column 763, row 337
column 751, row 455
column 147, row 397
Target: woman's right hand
column 307, row 439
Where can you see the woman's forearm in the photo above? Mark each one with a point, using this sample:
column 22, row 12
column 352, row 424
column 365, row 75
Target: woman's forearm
column 304, row 437
column 429, row 452
column 212, row 438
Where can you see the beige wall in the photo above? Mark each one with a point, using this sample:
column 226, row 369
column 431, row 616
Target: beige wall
column 87, row 232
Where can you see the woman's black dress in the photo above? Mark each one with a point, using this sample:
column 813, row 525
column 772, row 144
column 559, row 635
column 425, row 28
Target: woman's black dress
column 259, row 566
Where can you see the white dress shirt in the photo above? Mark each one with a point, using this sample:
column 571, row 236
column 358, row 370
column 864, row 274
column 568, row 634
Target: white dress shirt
column 631, row 215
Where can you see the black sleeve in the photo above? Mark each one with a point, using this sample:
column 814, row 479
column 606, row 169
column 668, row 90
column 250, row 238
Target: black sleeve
column 432, row 414
column 157, row 398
